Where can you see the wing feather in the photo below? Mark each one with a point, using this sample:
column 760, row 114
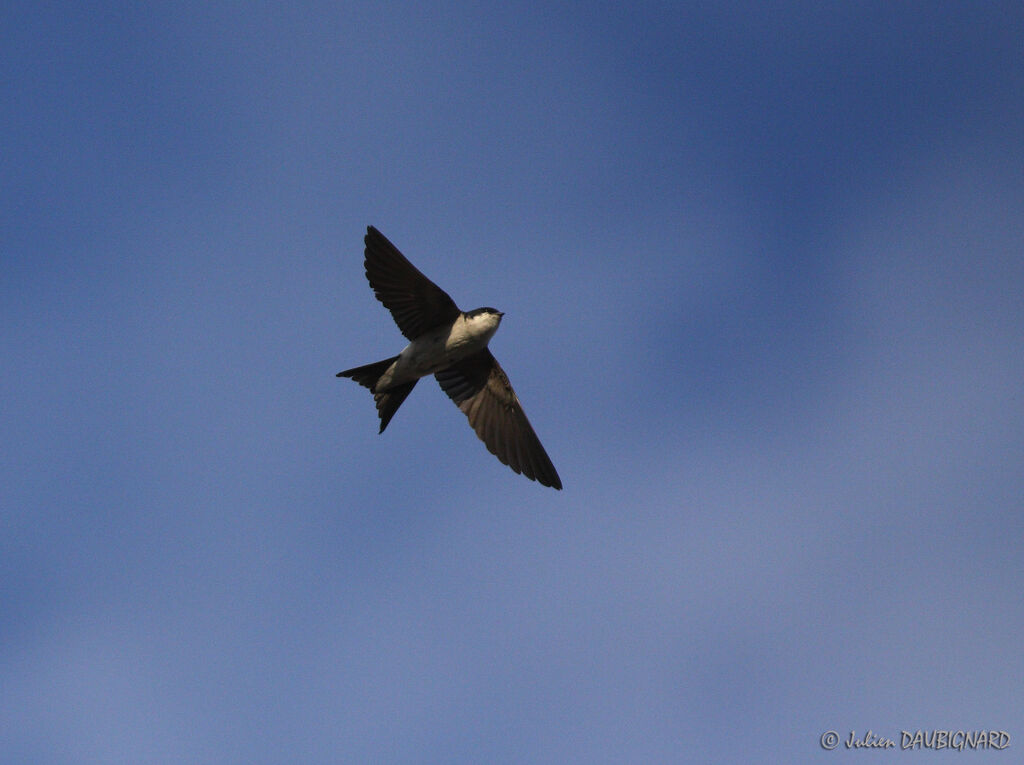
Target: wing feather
column 479, row 387
column 416, row 303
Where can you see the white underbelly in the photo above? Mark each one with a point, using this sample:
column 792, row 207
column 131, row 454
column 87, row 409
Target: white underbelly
column 433, row 352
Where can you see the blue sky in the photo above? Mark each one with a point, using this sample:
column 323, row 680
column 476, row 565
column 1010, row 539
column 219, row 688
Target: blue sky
column 762, row 269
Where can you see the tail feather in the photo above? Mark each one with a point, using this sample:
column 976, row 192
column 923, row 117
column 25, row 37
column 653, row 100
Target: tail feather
column 368, row 375
column 387, row 401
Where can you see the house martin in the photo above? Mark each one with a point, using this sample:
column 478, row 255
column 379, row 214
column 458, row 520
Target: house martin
column 451, row 345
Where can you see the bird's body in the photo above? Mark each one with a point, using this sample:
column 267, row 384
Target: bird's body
column 451, row 345
column 439, row 348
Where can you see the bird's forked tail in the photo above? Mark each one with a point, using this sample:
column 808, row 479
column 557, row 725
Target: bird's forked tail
column 387, row 401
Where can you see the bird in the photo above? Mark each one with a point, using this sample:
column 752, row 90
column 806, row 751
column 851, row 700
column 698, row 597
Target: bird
column 450, row 344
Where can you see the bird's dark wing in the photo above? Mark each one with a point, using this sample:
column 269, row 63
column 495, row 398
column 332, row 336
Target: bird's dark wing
column 479, row 387
column 416, row 303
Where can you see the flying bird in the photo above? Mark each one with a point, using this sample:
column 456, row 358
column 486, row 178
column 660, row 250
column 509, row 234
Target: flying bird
column 451, row 345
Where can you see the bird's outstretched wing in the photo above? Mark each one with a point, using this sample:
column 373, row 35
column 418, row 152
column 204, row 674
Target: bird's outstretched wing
column 415, row 302
column 479, row 387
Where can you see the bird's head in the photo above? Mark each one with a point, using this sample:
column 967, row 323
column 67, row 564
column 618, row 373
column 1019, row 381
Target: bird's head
column 484, row 320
